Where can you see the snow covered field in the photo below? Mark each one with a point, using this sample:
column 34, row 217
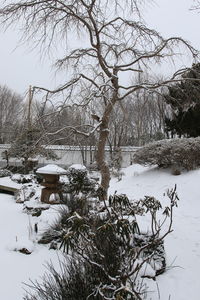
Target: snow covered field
column 180, row 282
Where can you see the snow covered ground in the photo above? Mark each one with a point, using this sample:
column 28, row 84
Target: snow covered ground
column 180, row 282
column 16, row 232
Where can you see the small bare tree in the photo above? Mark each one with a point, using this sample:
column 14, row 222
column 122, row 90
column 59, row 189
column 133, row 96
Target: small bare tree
column 116, row 43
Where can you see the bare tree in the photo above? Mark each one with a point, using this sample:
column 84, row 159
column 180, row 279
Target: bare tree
column 114, row 45
column 11, row 107
column 148, row 114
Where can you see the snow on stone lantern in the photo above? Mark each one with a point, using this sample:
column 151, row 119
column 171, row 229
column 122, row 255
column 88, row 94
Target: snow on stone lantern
column 52, row 192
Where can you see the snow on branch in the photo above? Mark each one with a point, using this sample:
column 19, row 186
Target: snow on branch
column 75, row 130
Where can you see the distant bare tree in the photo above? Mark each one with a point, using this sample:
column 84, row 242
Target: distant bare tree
column 11, row 106
column 139, row 119
column 116, row 41
column 148, row 114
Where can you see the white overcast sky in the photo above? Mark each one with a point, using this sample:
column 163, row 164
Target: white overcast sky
column 20, row 68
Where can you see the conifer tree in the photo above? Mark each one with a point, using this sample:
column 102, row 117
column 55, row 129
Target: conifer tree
column 184, row 100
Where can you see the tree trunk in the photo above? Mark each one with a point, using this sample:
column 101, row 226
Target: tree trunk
column 103, row 135
column 101, row 162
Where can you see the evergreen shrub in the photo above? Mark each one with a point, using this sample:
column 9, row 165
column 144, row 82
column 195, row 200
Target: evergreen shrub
column 106, row 254
column 181, row 153
column 79, row 181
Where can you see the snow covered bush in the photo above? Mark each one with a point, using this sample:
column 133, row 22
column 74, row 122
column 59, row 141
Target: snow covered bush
column 177, row 153
column 74, row 281
column 117, row 173
column 116, row 158
column 79, row 181
column 5, row 173
column 107, row 245
column 19, row 178
column 79, row 189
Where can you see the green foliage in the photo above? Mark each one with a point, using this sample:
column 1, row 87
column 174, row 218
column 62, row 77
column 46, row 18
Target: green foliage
column 184, row 99
column 180, row 153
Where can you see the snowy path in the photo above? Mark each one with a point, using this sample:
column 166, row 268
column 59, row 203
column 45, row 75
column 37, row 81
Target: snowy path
column 181, row 281
column 183, row 246
column 16, row 268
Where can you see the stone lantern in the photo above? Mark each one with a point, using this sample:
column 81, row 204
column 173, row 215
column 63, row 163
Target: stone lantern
column 51, row 183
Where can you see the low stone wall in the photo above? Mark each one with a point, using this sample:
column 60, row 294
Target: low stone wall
column 68, row 155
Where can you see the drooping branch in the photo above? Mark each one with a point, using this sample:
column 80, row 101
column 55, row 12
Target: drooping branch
column 114, row 44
